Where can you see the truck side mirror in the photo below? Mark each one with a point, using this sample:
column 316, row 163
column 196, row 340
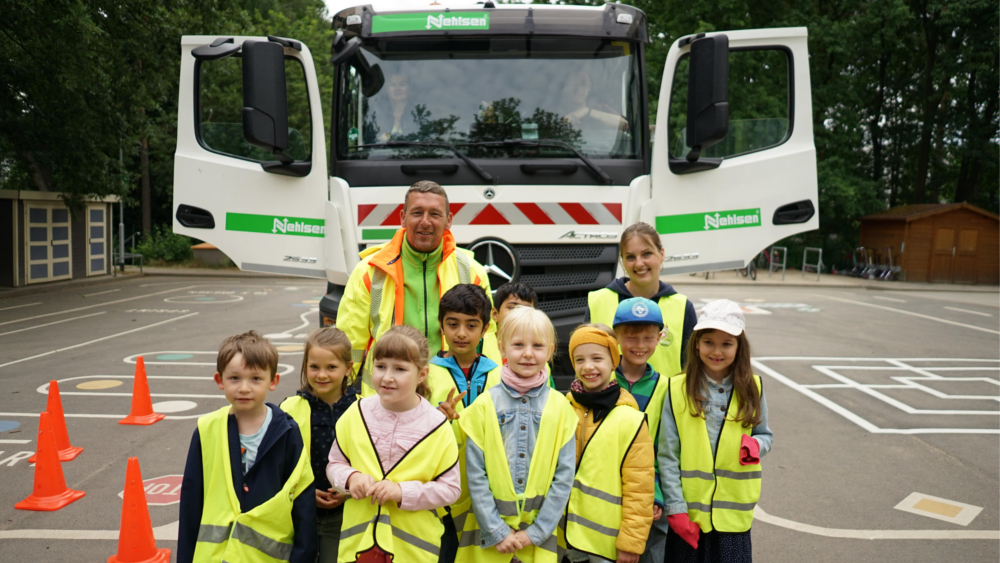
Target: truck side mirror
column 344, row 50
column 265, row 107
column 708, row 90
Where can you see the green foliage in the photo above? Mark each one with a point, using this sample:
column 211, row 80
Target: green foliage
column 164, row 245
column 904, row 94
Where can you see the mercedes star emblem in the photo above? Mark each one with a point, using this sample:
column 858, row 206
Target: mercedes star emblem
column 498, row 259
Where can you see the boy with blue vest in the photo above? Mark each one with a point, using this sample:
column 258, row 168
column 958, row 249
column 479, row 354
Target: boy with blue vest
column 241, row 497
column 638, row 326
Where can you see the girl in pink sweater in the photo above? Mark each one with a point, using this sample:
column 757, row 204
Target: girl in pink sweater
column 396, row 458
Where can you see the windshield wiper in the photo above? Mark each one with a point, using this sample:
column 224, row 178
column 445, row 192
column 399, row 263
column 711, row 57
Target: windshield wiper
column 396, row 144
column 506, row 143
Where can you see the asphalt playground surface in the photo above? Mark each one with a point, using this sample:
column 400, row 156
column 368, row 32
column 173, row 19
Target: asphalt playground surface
column 885, row 408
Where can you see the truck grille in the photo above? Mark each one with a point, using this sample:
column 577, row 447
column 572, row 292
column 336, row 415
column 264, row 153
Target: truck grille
column 563, row 274
column 543, row 252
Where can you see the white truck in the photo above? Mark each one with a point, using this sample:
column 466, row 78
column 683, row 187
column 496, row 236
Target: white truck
column 535, row 118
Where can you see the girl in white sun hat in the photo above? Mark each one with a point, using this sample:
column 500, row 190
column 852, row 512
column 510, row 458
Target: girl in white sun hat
column 716, row 410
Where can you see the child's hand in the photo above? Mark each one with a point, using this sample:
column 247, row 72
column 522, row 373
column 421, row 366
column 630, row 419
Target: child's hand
column 522, row 537
column 657, row 512
column 324, row 499
column 360, row 485
column 385, row 491
column 626, row 557
column 509, row 544
column 447, row 407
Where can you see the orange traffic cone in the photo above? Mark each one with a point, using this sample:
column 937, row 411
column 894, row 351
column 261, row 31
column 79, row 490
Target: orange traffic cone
column 50, row 490
column 142, row 405
column 55, row 410
column 136, row 543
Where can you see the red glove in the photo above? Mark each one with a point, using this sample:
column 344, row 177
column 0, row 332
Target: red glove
column 682, row 525
column 749, row 451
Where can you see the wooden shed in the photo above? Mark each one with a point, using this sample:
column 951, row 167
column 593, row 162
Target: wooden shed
column 41, row 240
column 938, row 242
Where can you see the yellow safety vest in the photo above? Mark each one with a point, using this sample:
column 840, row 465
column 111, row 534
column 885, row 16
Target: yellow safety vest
column 556, row 429
column 654, row 408
column 373, row 298
column 265, row 534
column 491, row 348
column 594, row 512
column 408, row 536
column 667, row 358
column 299, row 409
column 720, row 493
column 440, row 381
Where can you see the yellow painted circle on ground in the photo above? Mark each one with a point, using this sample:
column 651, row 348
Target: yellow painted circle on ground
column 99, row 384
column 290, row 348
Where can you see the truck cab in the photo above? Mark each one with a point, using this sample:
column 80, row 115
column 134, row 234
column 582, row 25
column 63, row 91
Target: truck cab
column 535, row 119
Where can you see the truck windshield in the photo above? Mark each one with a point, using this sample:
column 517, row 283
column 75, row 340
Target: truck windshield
column 580, row 91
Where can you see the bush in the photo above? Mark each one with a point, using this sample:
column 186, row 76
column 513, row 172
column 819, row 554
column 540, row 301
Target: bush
column 164, row 245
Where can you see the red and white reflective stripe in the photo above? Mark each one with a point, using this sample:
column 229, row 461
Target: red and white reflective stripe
column 382, row 214
column 552, row 213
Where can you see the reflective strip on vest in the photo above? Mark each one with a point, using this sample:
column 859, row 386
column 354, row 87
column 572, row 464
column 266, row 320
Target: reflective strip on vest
column 263, row 534
column 720, row 492
column 464, row 267
column 480, row 425
column 594, row 511
column 410, row 536
column 667, row 358
column 378, row 285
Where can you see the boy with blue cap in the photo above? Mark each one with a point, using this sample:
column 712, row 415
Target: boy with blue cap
column 639, row 328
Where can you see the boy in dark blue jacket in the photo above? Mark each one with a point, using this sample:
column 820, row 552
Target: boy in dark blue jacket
column 245, row 470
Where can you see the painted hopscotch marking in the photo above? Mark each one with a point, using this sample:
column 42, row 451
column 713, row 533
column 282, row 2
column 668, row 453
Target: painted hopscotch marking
column 950, row 511
column 910, row 378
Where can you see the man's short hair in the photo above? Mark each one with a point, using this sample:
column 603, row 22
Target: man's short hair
column 258, row 352
column 427, row 187
column 467, row 299
column 519, row 290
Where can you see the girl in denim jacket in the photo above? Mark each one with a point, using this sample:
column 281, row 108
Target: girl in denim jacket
column 520, row 452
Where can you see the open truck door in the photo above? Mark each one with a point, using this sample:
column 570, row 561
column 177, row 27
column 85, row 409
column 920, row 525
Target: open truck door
column 250, row 171
column 733, row 160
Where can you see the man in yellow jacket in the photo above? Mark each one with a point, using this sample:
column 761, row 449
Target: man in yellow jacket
column 402, row 282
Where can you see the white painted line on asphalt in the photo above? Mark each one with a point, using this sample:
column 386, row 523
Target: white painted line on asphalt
column 19, row 306
column 101, row 292
column 288, row 333
column 103, row 338
column 850, row 415
column 950, row 511
column 911, row 313
column 760, row 515
column 52, row 323
column 968, row 311
column 14, row 441
column 95, row 305
column 167, row 532
column 284, row 369
column 889, row 299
